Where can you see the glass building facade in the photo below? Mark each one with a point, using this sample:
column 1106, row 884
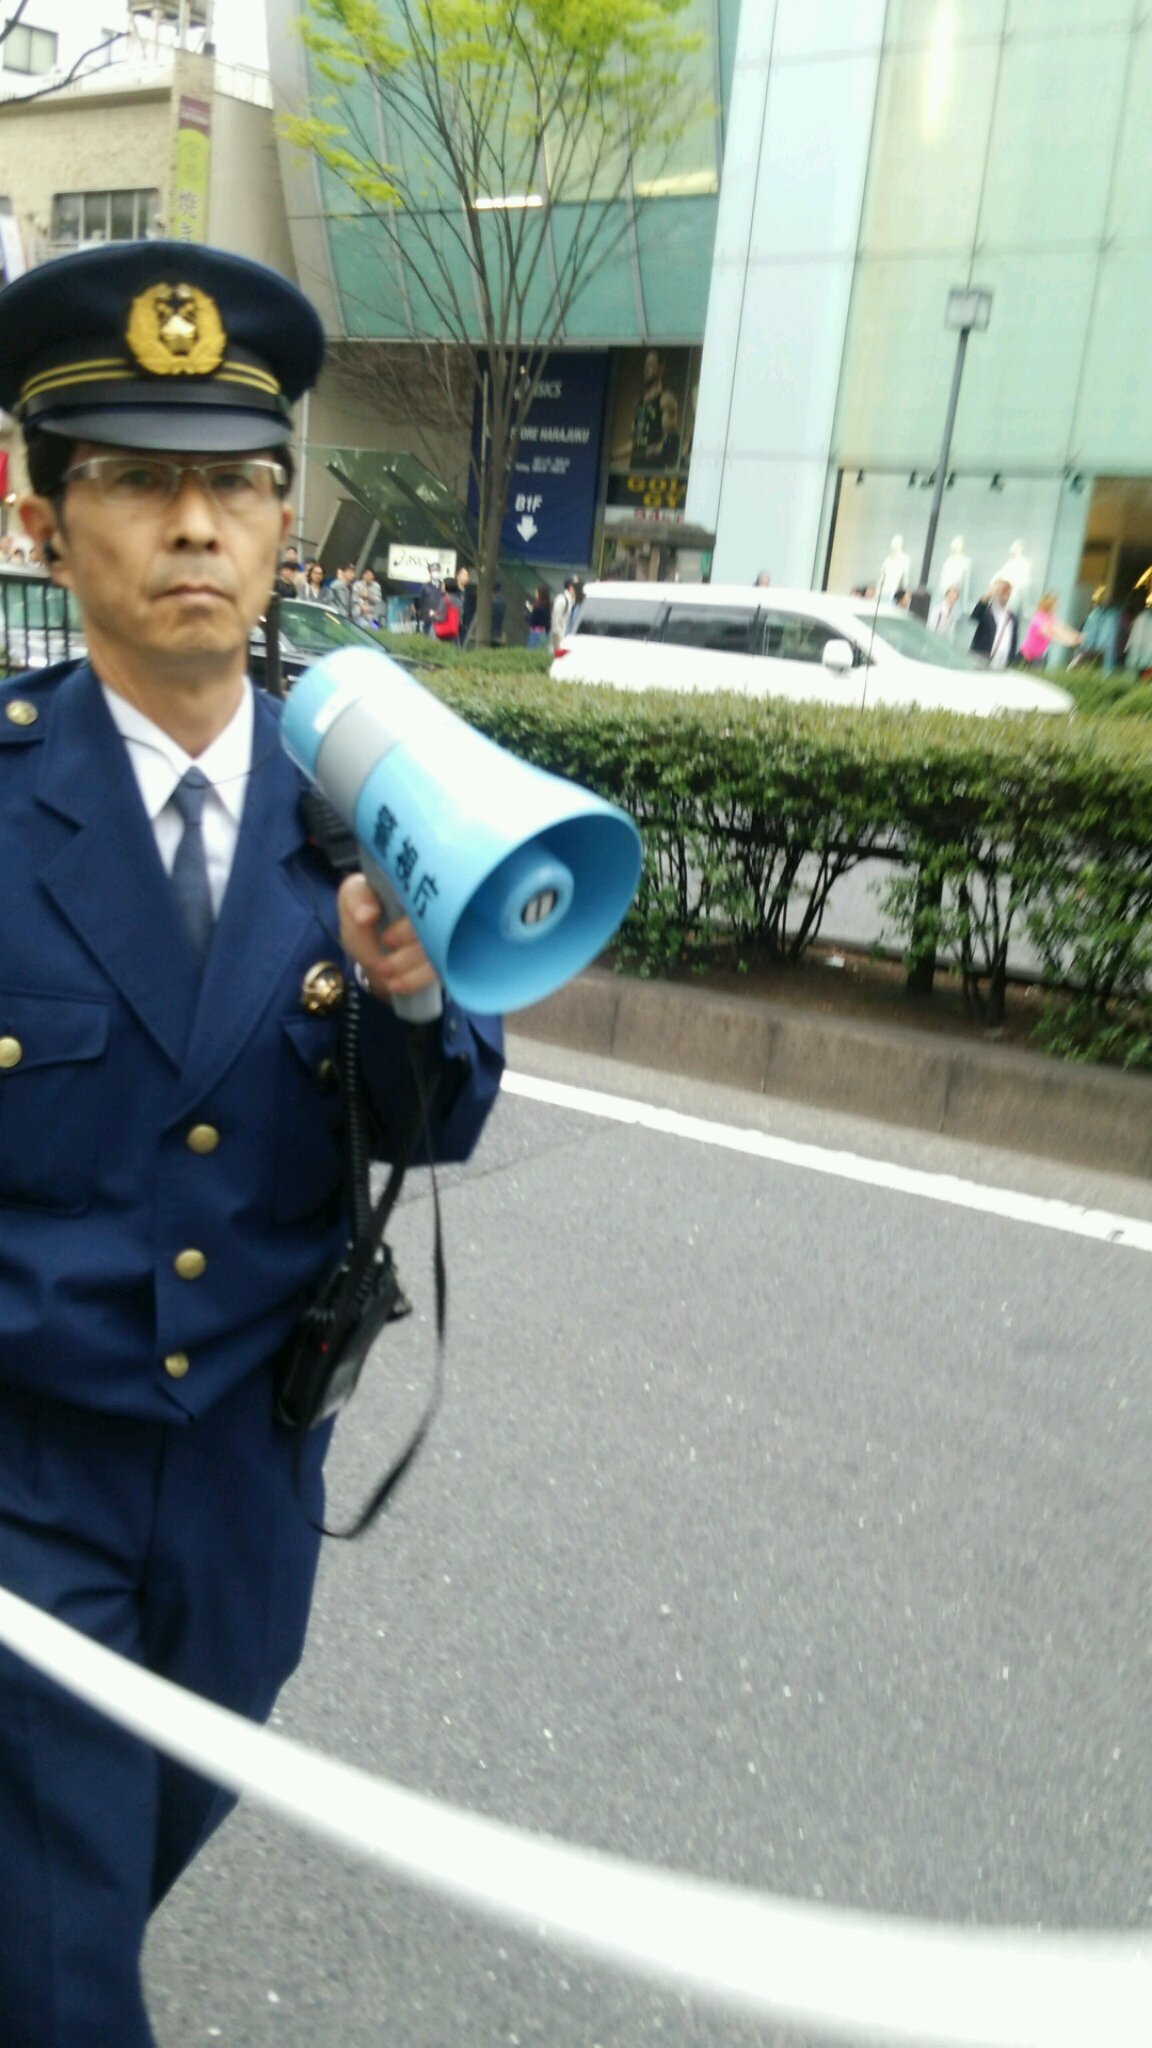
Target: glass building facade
column 867, row 157
column 1003, row 144
column 1013, row 150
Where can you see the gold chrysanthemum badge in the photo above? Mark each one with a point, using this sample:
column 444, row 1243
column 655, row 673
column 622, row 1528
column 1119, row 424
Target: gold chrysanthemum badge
column 174, row 330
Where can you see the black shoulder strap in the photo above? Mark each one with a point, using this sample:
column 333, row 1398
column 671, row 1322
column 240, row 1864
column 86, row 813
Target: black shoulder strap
column 369, row 1223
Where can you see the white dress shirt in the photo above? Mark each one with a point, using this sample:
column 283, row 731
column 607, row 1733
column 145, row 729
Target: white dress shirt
column 159, row 763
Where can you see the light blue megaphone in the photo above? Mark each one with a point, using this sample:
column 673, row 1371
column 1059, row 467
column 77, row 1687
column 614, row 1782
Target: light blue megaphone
column 513, row 879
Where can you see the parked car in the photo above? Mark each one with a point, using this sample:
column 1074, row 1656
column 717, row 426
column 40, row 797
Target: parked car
column 800, row 644
column 306, row 632
column 40, row 623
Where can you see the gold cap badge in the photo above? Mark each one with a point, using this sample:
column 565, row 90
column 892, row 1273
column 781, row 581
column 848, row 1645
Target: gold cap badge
column 175, row 330
column 322, row 988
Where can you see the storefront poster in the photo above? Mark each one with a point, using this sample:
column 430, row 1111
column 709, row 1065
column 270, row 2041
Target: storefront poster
column 653, row 418
column 11, row 249
column 551, row 506
column 418, row 565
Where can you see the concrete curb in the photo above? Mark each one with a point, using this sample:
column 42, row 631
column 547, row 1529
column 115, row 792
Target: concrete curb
column 1087, row 1116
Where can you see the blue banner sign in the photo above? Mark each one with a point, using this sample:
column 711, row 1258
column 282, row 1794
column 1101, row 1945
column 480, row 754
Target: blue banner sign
column 551, row 506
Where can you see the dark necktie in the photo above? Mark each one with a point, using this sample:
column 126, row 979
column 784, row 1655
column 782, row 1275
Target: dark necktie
column 190, row 868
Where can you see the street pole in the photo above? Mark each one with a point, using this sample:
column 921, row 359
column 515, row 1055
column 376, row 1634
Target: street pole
column 945, row 451
column 968, row 308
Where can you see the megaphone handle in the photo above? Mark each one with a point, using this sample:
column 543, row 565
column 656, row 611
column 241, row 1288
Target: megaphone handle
column 428, row 1004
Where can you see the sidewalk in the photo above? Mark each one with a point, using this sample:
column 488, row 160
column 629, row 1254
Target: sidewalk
column 1087, row 1116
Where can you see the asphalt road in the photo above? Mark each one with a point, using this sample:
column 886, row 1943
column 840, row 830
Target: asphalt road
column 776, row 1527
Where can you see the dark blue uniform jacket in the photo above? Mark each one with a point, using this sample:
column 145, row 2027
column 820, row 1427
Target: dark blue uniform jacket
column 114, row 1048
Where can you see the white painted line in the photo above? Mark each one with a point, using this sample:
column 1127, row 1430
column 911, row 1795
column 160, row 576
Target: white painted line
column 1101, row 1224
column 853, row 1977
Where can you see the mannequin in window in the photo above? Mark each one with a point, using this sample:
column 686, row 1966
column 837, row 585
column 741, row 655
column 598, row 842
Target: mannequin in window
column 895, row 570
column 957, row 571
column 1017, row 574
column 1139, row 650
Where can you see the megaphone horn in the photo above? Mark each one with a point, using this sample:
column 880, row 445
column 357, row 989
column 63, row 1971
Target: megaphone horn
column 514, row 879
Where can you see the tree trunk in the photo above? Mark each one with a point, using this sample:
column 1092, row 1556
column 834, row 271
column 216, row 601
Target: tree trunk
column 497, row 461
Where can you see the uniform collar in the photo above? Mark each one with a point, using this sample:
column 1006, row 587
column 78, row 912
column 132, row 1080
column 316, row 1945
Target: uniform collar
column 160, row 762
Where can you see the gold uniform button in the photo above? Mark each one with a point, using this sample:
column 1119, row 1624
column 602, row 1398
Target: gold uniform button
column 11, row 1052
column 176, row 1364
column 202, row 1138
column 21, row 712
column 322, row 989
column 190, row 1264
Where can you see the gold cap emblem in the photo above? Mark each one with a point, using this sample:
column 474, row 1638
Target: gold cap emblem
column 322, row 988
column 175, row 330
column 21, row 712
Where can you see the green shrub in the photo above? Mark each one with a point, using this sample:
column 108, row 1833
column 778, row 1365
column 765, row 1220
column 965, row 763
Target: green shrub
column 495, row 661
column 1123, row 694
column 751, row 810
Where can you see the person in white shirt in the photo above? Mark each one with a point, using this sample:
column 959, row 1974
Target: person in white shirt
column 944, row 617
column 562, row 608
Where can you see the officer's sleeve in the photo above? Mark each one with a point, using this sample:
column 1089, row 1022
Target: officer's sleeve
column 459, row 1062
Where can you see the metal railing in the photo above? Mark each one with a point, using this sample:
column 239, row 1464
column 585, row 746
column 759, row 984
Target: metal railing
column 39, row 622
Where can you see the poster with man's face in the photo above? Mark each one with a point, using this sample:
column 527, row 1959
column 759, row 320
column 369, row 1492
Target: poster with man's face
column 654, row 411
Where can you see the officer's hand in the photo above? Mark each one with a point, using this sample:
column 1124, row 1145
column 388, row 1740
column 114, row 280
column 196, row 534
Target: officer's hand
column 391, row 957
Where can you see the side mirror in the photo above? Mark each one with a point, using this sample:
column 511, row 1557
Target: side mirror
column 839, row 656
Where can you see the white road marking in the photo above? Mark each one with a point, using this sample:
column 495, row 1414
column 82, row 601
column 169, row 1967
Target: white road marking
column 853, row 1976
column 1046, row 1214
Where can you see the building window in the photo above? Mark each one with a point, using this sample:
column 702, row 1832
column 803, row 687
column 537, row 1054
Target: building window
column 79, row 217
column 32, row 50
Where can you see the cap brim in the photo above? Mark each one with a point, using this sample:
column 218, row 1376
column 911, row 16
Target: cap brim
column 201, row 429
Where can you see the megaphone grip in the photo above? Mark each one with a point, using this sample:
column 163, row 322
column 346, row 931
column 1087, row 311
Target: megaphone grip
column 517, row 877
column 428, row 1003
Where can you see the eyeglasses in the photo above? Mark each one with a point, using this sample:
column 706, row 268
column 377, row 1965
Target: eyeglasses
column 238, row 487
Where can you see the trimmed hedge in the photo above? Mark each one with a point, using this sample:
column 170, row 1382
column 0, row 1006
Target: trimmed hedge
column 1123, row 694
column 750, row 812
column 494, row 661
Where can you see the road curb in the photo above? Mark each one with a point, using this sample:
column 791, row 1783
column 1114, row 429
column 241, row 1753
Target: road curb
column 1086, row 1116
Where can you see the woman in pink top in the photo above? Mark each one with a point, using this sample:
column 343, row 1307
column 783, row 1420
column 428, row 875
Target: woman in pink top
column 1043, row 629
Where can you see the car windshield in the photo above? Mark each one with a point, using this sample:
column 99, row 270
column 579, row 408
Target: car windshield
column 310, row 629
column 910, row 637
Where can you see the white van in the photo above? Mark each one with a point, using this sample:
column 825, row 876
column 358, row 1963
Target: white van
column 802, row 644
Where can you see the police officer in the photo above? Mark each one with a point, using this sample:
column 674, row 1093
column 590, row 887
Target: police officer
column 170, row 1136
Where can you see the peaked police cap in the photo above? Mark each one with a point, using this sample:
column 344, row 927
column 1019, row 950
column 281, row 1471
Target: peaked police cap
column 157, row 345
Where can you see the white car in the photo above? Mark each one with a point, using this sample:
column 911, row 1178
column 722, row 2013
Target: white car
column 801, row 644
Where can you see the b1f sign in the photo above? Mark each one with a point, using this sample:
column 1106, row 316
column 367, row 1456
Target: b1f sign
column 419, row 565
column 551, row 505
